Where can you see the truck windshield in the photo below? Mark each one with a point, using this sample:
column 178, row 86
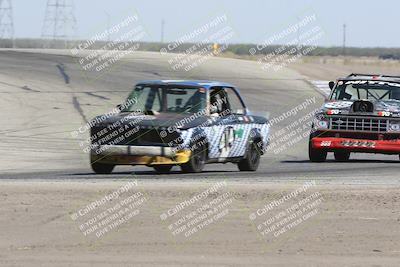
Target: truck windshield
column 174, row 99
column 371, row 90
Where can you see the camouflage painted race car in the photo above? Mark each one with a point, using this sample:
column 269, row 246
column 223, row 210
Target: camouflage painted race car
column 185, row 123
column 362, row 115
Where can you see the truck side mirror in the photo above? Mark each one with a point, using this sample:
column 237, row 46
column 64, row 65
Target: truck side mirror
column 331, row 84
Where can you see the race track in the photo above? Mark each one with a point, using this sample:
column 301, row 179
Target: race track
column 46, row 180
column 40, row 110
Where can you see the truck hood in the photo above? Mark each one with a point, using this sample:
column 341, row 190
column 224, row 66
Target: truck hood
column 392, row 106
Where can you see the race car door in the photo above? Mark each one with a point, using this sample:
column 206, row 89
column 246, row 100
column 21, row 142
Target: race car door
column 228, row 135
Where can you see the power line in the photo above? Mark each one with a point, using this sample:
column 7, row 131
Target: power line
column 6, row 20
column 344, row 39
column 59, row 21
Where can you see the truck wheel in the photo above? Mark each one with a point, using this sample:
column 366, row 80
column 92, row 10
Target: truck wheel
column 252, row 159
column 197, row 159
column 342, row 156
column 316, row 155
column 162, row 168
column 101, row 168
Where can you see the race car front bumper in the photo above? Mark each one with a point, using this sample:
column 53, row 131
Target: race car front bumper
column 138, row 155
column 356, row 145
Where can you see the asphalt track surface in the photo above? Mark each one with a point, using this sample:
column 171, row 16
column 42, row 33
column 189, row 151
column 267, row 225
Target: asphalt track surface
column 45, row 95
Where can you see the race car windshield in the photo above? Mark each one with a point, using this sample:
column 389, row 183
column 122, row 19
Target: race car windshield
column 371, row 90
column 173, row 99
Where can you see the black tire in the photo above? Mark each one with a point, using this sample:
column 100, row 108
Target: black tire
column 197, row 159
column 316, row 155
column 252, row 159
column 342, row 156
column 101, row 168
column 162, row 168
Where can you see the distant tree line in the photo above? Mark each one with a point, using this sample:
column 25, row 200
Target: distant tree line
column 237, row 49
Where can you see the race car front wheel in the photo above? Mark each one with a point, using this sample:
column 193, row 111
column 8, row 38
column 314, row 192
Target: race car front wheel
column 316, row 155
column 162, row 168
column 101, row 168
column 197, row 159
column 342, row 156
column 252, row 159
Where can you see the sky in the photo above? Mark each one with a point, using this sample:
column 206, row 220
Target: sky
column 368, row 23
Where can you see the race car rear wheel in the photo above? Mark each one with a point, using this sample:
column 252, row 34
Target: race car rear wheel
column 101, row 168
column 252, row 159
column 162, row 168
column 342, row 156
column 316, row 155
column 197, row 159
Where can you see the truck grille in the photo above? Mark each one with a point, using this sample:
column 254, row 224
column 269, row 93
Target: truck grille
column 359, row 124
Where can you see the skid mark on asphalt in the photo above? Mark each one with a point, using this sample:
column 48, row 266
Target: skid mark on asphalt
column 25, row 87
column 98, row 96
column 61, row 68
column 78, row 108
column 152, row 72
column 54, row 218
column 75, row 101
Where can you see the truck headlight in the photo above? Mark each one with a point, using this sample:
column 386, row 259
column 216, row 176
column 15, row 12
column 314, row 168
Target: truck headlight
column 321, row 123
column 394, row 126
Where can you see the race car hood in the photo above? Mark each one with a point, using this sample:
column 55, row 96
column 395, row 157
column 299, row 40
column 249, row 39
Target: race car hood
column 392, row 106
column 181, row 121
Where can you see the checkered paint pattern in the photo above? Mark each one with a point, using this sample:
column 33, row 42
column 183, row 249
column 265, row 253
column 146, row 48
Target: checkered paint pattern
column 215, row 133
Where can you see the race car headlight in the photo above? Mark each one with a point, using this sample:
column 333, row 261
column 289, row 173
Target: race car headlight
column 320, row 123
column 394, row 126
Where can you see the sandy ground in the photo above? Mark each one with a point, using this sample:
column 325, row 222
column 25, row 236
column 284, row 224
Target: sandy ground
column 331, row 68
column 352, row 226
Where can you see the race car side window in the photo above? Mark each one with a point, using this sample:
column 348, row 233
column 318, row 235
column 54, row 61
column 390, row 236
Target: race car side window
column 234, row 101
column 226, row 101
column 219, row 101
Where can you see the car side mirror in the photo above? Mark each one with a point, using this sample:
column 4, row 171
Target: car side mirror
column 331, row 85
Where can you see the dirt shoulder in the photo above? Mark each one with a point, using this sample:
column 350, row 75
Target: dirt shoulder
column 331, row 68
column 349, row 226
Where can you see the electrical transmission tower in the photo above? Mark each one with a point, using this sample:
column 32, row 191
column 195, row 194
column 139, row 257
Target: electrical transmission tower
column 6, row 20
column 59, row 22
